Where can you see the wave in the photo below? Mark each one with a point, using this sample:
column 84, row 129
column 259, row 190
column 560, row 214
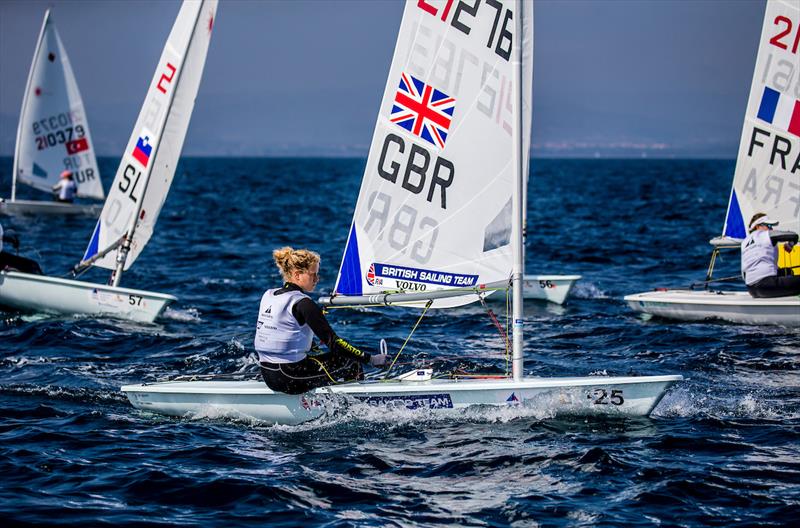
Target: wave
column 586, row 290
column 187, row 315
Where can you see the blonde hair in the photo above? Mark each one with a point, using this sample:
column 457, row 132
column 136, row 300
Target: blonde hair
column 290, row 260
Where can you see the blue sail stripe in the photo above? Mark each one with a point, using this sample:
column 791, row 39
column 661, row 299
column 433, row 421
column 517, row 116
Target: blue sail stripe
column 92, row 249
column 350, row 274
column 734, row 225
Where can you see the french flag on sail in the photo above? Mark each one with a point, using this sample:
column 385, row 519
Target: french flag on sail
column 144, row 147
column 779, row 110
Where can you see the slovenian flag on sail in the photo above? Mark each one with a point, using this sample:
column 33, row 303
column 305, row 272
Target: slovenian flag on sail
column 144, row 147
column 780, row 110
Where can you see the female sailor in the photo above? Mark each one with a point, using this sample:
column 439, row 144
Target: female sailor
column 288, row 320
column 760, row 260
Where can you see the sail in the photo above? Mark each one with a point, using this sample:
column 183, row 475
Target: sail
column 435, row 206
column 767, row 176
column 148, row 165
column 53, row 133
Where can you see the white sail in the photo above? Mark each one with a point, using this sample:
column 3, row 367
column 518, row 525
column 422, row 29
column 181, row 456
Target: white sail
column 767, row 177
column 148, row 164
column 53, row 133
column 435, row 206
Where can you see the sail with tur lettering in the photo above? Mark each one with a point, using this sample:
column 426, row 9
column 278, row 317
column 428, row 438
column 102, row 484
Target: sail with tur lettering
column 53, row 133
column 435, row 207
column 767, row 176
column 148, row 164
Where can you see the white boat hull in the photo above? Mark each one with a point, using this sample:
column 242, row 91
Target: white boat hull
column 39, row 293
column 593, row 395
column 731, row 306
column 31, row 207
column 551, row 288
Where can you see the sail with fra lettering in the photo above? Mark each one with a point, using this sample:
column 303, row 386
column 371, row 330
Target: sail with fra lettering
column 435, row 207
column 767, row 176
column 766, row 180
column 53, row 133
column 148, row 164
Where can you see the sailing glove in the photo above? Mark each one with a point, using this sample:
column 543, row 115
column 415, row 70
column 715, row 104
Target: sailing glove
column 378, row 360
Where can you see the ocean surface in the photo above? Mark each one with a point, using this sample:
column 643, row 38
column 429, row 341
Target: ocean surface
column 721, row 449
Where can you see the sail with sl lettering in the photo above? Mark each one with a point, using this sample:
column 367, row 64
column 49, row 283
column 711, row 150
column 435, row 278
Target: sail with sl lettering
column 435, row 207
column 53, row 133
column 767, row 176
column 148, row 163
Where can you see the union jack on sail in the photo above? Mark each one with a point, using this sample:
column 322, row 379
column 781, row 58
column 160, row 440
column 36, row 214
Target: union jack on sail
column 423, row 110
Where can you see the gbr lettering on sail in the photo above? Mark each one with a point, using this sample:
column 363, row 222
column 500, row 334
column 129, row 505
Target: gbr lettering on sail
column 416, row 172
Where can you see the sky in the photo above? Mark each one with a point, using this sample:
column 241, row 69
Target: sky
column 612, row 78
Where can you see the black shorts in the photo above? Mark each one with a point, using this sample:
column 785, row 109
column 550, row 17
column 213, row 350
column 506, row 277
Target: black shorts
column 310, row 372
column 776, row 286
column 9, row 261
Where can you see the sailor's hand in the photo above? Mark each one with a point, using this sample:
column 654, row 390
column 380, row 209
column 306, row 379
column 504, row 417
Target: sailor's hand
column 378, row 360
column 789, row 246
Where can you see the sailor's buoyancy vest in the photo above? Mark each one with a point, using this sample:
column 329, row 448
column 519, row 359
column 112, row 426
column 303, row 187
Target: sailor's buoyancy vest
column 279, row 337
column 759, row 257
column 67, row 190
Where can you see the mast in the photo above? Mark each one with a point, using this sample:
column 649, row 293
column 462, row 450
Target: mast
column 25, row 105
column 517, row 207
column 122, row 254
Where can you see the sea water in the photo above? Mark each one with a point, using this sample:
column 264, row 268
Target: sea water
column 722, row 448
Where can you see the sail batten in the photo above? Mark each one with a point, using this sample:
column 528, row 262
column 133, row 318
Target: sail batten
column 433, row 211
column 767, row 174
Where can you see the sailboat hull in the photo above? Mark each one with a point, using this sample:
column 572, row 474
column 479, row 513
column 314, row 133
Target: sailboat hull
column 734, row 307
column 550, row 288
column 38, row 293
column 593, row 395
column 32, row 207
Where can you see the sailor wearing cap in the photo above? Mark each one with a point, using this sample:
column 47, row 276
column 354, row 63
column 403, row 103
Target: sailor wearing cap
column 760, row 260
column 66, row 188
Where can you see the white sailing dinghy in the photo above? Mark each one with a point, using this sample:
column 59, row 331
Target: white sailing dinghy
column 140, row 187
column 550, row 288
column 440, row 213
column 53, row 133
column 766, row 179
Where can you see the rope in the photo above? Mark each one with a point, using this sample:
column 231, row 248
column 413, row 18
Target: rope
column 724, row 279
column 322, row 366
column 402, row 303
column 497, row 324
column 509, row 308
column 427, row 305
column 503, row 331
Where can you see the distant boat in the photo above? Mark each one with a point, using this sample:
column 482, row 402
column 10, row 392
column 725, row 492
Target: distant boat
column 143, row 179
column 550, row 288
column 767, row 179
column 439, row 214
column 53, row 134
